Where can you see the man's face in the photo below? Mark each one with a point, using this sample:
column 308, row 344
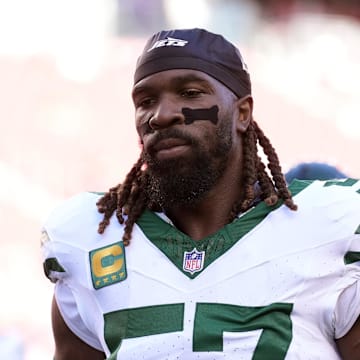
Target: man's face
column 185, row 122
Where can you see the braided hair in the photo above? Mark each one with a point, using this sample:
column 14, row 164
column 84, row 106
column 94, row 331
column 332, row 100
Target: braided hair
column 130, row 198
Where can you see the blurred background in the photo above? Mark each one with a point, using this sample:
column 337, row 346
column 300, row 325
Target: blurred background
column 66, row 117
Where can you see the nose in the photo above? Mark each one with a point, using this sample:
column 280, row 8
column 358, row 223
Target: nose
column 167, row 113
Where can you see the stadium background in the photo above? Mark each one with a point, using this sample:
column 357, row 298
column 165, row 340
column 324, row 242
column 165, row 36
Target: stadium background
column 66, row 117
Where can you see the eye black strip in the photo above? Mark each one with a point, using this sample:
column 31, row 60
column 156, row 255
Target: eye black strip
column 192, row 115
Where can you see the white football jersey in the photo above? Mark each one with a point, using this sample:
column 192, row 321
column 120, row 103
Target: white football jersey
column 274, row 284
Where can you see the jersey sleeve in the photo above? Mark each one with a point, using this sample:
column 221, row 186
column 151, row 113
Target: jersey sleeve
column 71, row 314
column 65, row 259
column 347, row 309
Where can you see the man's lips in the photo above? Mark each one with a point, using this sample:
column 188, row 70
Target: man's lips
column 169, row 147
column 166, row 144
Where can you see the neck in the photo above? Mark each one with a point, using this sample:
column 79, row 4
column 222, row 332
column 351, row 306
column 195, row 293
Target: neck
column 210, row 214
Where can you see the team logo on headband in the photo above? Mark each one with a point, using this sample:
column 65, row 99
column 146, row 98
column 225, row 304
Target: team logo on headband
column 169, row 41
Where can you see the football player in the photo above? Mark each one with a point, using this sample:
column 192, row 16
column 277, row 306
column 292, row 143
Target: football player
column 203, row 252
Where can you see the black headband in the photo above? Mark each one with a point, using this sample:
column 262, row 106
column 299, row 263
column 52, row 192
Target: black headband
column 195, row 49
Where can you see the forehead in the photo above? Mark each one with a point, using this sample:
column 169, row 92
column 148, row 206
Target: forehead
column 175, row 77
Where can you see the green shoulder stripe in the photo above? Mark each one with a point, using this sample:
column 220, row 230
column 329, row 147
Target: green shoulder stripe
column 52, row 264
column 357, row 231
column 351, row 257
column 347, row 182
column 297, row 186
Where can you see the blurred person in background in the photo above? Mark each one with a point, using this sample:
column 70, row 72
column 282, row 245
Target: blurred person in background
column 203, row 251
column 314, row 171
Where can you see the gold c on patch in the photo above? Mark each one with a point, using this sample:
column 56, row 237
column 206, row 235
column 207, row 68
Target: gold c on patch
column 108, row 265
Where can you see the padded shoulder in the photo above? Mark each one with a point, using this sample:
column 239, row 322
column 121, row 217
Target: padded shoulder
column 71, row 233
column 327, row 193
column 73, row 210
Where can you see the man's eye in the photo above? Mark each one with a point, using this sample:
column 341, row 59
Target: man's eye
column 145, row 102
column 191, row 93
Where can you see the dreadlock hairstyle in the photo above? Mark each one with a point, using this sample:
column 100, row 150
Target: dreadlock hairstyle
column 129, row 199
column 201, row 50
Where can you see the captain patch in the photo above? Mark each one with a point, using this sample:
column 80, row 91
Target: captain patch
column 108, row 265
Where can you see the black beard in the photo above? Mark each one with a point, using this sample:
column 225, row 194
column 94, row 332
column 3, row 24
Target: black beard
column 186, row 181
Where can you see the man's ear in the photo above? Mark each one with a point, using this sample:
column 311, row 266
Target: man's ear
column 245, row 107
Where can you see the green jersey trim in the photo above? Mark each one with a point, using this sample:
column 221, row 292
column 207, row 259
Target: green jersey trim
column 174, row 243
column 347, row 182
column 351, row 257
column 52, row 265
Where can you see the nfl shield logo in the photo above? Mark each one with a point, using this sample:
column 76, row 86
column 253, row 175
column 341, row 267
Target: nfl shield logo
column 193, row 261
